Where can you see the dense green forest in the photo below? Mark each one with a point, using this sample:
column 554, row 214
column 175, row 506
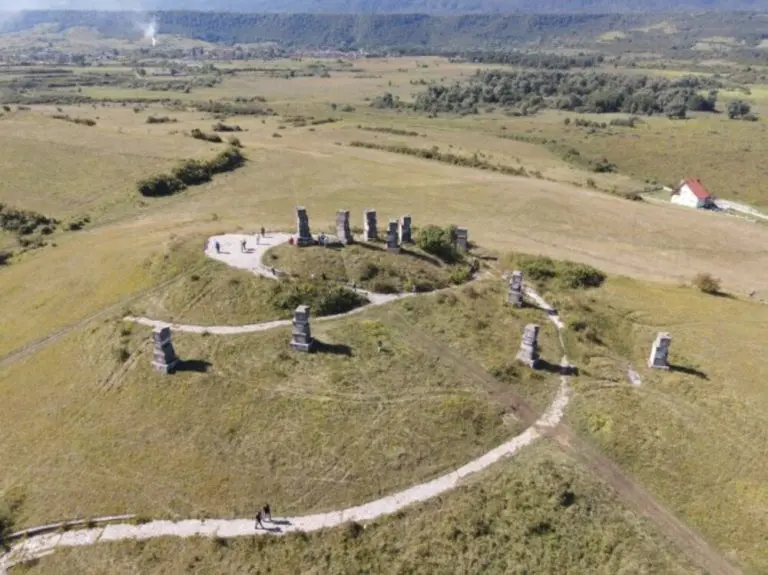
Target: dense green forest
column 414, row 31
column 530, row 90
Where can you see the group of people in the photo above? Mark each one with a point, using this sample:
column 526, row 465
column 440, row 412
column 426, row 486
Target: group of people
column 243, row 242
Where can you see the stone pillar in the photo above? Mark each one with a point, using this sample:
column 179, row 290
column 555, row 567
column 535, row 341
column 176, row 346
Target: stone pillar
column 462, row 239
column 343, row 230
column 164, row 356
column 515, row 294
column 393, row 243
column 660, row 351
column 529, row 347
column 369, row 225
column 405, row 230
column 303, row 235
column 301, row 338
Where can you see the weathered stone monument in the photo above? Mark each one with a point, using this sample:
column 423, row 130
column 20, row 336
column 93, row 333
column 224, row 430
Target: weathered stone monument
column 393, row 243
column 515, row 293
column 343, row 230
column 405, row 230
column 660, row 351
column 301, row 338
column 529, row 347
column 164, row 356
column 369, row 226
column 462, row 239
column 303, row 235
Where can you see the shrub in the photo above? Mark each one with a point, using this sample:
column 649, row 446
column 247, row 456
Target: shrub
column 160, row 185
column 707, row 283
column 234, row 141
column 536, row 268
column 24, row 222
column 160, row 120
column 323, row 298
column 384, row 286
column 737, row 109
column 222, row 127
column 192, row 173
column 5, row 258
column 200, row 135
column 438, row 242
column 578, row 276
column 460, row 275
column 368, row 271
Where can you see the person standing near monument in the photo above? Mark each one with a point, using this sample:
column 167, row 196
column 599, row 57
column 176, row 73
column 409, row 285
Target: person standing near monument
column 258, row 524
column 267, row 512
column 217, row 245
column 243, row 244
column 263, row 232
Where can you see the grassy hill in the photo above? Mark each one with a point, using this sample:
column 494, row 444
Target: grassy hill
column 93, row 430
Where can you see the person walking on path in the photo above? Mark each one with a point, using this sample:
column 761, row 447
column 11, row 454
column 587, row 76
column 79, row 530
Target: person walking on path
column 258, row 524
column 267, row 512
column 263, row 231
column 242, row 245
column 217, row 245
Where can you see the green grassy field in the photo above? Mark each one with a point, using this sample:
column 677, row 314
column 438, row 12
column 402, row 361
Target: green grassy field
column 260, row 421
column 96, row 432
column 514, row 518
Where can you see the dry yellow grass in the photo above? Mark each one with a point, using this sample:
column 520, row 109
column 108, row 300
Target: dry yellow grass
column 507, row 520
column 696, row 435
column 139, row 422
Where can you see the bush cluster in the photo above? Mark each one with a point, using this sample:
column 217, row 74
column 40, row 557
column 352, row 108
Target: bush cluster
column 542, row 60
column 395, row 131
column 595, row 92
column 80, row 121
column 439, row 242
column 740, row 110
column 707, row 283
column 324, row 298
column 566, row 275
column 25, row 222
column 191, row 173
column 198, row 134
column 433, row 153
column 160, row 120
column 238, row 108
column 222, row 127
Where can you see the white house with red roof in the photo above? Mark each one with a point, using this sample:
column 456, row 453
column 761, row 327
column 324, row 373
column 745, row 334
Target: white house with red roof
column 692, row 193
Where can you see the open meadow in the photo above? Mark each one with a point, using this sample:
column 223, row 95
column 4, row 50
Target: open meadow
column 400, row 393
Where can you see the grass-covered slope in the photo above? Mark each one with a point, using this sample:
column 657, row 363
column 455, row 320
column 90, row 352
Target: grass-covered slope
column 538, row 513
column 247, row 419
column 369, row 265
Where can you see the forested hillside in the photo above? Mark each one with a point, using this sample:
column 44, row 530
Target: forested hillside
column 412, row 31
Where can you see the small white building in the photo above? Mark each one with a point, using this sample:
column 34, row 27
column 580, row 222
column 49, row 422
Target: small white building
column 692, row 193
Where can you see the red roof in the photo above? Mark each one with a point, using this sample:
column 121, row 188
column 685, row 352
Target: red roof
column 696, row 187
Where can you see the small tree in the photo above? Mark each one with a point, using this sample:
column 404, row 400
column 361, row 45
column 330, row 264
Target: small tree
column 738, row 109
column 437, row 241
column 707, row 283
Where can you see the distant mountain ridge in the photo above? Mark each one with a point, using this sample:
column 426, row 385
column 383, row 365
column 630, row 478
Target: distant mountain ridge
column 413, row 33
column 438, row 7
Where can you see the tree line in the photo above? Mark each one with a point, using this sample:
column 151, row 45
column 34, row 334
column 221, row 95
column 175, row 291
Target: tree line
column 583, row 91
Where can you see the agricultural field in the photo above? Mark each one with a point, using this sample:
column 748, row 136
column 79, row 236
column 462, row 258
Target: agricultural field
column 119, row 184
